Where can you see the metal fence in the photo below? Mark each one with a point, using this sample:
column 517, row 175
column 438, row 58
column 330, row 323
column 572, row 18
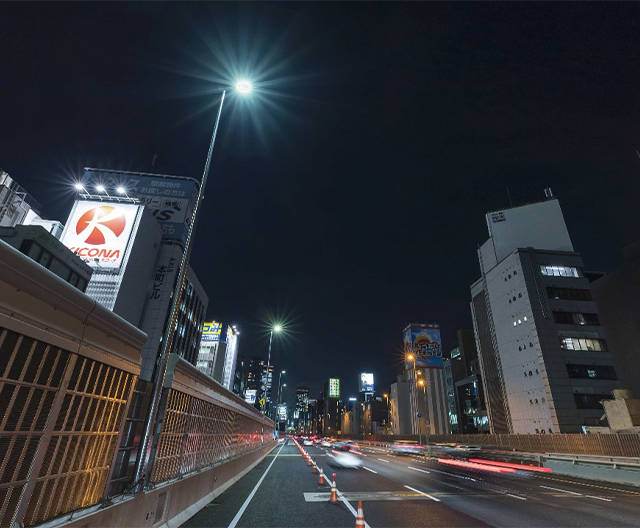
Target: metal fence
column 59, row 419
column 616, row 445
column 197, row 434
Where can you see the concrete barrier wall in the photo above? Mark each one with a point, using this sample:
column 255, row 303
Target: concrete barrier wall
column 616, row 445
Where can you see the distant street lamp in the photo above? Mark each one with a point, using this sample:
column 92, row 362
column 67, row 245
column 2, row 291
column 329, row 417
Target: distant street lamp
column 276, row 328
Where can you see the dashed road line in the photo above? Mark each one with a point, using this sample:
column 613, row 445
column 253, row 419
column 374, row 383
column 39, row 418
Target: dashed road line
column 372, row 471
column 383, row 460
column 418, row 469
column 562, row 490
column 515, row 496
column 422, row 493
column 599, row 498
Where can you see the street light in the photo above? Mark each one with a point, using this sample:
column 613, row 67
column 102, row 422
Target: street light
column 386, row 396
column 276, row 328
column 244, row 87
column 79, row 187
column 171, row 328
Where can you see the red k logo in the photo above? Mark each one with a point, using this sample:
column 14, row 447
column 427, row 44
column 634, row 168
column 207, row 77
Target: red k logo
column 99, row 222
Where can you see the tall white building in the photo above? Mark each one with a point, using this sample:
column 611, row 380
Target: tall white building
column 218, row 353
column 542, row 351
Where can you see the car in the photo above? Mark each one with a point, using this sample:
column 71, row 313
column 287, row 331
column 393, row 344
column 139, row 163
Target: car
column 406, row 449
column 343, row 459
column 308, row 442
column 468, row 448
column 325, row 443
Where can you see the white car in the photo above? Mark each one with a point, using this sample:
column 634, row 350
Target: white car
column 344, row 459
column 308, row 442
column 325, row 443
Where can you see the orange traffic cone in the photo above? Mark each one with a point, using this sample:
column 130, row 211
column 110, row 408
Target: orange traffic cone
column 308, row 460
column 334, row 491
column 315, row 466
column 360, row 518
column 321, row 478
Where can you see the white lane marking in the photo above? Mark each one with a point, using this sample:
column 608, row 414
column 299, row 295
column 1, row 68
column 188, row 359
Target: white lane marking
column 562, row 490
column 589, row 485
column 383, row 460
column 235, row 520
column 515, row 496
column 599, row 498
column 454, row 475
column 372, row 471
column 418, row 469
column 422, row 493
column 451, row 485
column 351, row 509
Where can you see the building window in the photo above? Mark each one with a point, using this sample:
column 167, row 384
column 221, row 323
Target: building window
column 559, row 271
column 576, row 318
column 583, row 343
column 604, row 372
column 590, row 401
column 569, row 294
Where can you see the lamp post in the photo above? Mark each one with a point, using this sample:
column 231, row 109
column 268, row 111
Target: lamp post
column 276, row 328
column 422, row 384
column 386, row 396
column 145, row 456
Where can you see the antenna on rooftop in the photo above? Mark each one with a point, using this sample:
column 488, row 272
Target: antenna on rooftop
column 509, row 195
column 548, row 193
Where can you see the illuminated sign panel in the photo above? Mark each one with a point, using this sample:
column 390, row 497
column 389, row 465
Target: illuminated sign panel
column 250, row 396
column 170, row 199
column 282, row 412
column 211, row 331
column 366, row 382
column 99, row 232
column 334, row 388
column 423, row 343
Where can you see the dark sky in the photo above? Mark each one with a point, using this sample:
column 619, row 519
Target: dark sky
column 348, row 196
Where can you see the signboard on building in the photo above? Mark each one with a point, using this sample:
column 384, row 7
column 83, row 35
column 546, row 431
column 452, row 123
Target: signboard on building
column 366, row 382
column 100, row 232
column 170, row 198
column 282, row 412
column 334, row 388
column 422, row 343
column 250, row 396
column 211, row 331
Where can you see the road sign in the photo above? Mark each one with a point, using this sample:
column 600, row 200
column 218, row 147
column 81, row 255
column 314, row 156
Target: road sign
column 262, row 401
column 419, row 415
column 427, row 422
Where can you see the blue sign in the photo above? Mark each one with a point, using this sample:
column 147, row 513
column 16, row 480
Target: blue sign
column 422, row 346
column 170, row 199
column 419, row 415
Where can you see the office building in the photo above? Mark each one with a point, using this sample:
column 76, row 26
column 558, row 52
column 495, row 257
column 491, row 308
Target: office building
column 400, row 406
column 16, row 205
column 424, row 368
column 543, row 354
column 43, row 247
column 331, row 409
column 301, row 411
column 465, row 397
column 617, row 296
column 134, row 241
column 218, row 353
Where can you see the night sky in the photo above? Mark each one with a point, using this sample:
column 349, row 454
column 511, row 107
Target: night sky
column 347, row 197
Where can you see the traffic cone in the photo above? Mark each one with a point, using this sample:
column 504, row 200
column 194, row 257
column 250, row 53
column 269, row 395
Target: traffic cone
column 360, row 518
column 334, row 491
column 321, row 478
column 315, row 466
column 308, row 460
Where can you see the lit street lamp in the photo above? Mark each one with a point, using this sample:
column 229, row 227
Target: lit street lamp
column 276, row 328
column 242, row 87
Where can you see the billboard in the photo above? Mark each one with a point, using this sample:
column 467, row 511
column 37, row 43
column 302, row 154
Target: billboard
column 211, row 331
column 282, row 412
column 169, row 198
column 366, row 382
column 250, row 396
column 423, row 343
column 334, row 388
column 99, row 232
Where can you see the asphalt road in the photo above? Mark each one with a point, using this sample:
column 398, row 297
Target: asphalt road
column 413, row 491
